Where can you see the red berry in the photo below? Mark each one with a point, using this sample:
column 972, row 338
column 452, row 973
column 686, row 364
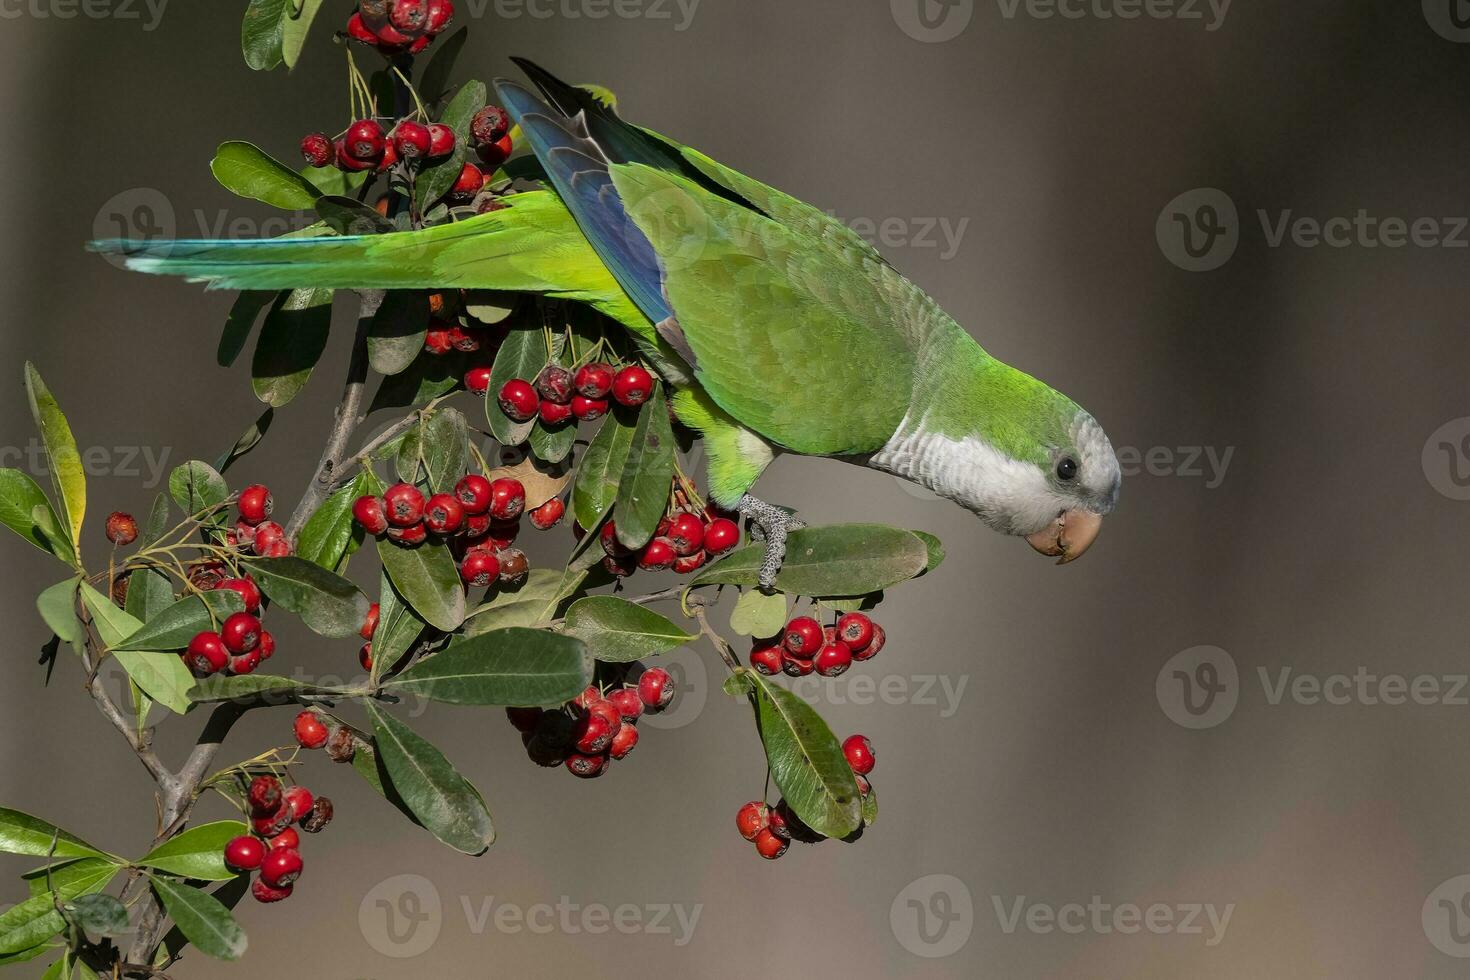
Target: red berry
column 358, row 30
column 441, row 141
column 349, row 163
column 268, row 536
column 405, row 504
column 409, row 16
column 593, row 734
column 686, row 534
column 803, row 637
column 371, row 514
column 477, row 380
column 468, row 184
column 370, row 623
column 489, row 124
column 624, row 566
column 548, row 515
column 241, row 633
column 248, row 591
column 244, row 534
column 513, row 567
column 525, row 720
column 628, row 704
column 206, row 655
column 365, row 656
column 444, row 514
column 464, row 341
column 624, row 741
column 720, row 536
column 691, row 563
column 265, row 795
column 656, row 688
column 553, row 414
column 256, row 505
column 507, row 499
column 779, row 826
column 594, row 381
column 122, row 529
column 554, row 384
column 267, row 895
column 874, row 647
column 752, row 819
column 365, row 141
column 477, row 526
column 420, row 45
column 859, row 752
column 494, row 155
column 286, row 838
column 610, row 543
column 267, row 646
column 412, row 140
column 409, row 537
column 389, row 159
column 281, row 867
column 271, row 824
column 310, row 732
column 586, row 766
column 632, row 387
column 244, row 853
column 299, row 799
column 474, row 493
column 519, row 401
column 244, row 664
column 766, row 657
column 796, row 666
column 317, row 150
column 441, row 15
column 588, row 409
column 856, row 630
column 833, row 660
column 658, row 556
column 439, row 339
column 480, row 569
column 769, row 846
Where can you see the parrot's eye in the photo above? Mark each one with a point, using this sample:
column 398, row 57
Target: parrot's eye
column 1067, row 469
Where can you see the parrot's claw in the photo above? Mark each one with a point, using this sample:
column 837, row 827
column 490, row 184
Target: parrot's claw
column 770, row 524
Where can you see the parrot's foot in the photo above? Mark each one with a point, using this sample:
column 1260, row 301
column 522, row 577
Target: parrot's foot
column 773, row 525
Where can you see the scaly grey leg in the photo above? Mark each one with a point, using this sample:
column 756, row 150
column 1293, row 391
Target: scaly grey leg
column 774, row 524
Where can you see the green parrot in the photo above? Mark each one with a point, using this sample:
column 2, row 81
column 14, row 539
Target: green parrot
column 780, row 329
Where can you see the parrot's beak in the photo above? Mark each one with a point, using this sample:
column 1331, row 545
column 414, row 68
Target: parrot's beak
column 1069, row 536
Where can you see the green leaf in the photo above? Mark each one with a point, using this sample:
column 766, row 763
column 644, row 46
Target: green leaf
column 61, row 451
column 58, row 608
column 838, row 560
column 511, row 668
column 399, row 628
column 274, row 690
column 202, row 919
column 552, row 445
column 739, row 684
column 427, row 378
column 435, row 182
column 98, row 915
column 426, row 577
column 161, row 676
column 439, row 446
column 326, row 537
column 643, row 495
column 290, row 344
column 20, row 498
column 396, row 338
column 197, row 487
column 936, row 550
column 434, row 84
column 248, row 440
column 329, row 604
column 522, row 355
column 197, row 853
column 870, row 806
column 618, row 631
column 245, row 169
column 602, row 470
column 239, row 324
column 331, row 182
column 534, row 604
column 177, row 624
column 149, row 593
column 60, row 875
column 36, row 920
column 263, row 33
column 806, row 761
column 759, row 615
column 297, row 26
column 21, row 833
column 348, row 216
column 443, row 801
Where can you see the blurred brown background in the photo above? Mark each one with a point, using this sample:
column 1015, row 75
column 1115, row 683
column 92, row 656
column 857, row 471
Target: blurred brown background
column 1029, row 750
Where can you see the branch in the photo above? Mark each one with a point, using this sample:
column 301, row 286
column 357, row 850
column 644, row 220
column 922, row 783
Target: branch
column 140, row 742
column 697, row 605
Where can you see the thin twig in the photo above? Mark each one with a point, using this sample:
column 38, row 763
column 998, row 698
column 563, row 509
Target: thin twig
column 697, row 605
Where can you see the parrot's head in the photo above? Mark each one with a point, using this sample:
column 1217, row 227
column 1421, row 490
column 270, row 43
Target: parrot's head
column 1074, row 484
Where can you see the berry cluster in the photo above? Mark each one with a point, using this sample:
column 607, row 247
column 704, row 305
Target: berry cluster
column 805, row 646
column 241, row 645
column 557, row 395
column 273, row 846
column 400, row 26
column 772, row 828
column 255, row 530
column 598, row 727
column 684, row 542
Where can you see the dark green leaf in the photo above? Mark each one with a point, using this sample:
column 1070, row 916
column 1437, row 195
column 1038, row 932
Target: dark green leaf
column 19, row 498
column 36, row 920
column 443, row 801
column 839, row 560
column 522, row 355
column 643, row 494
column 197, row 853
column 348, row 216
column 263, row 33
column 245, row 169
column 399, row 628
column 248, row 440
column 396, row 338
column 533, row 604
column 331, row 182
column 553, row 444
column 202, row 919
column 618, row 631
column 149, row 592
column 806, row 761
column 60, row 875
column 161, row 676
column 21, row 833
column 98, row 915
column 290, row 344
column 435, row 182
column 67, row 476
column 426, row 577
column 177, row 624
column 509, row 668
column 329, row 604
column 435, row 82
column 250, row 687
column 936, row 550
column 247, row 309
column 197, row 487
column 326, row 537
column 426, row 379
column 602, row 470
column 446, row 454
